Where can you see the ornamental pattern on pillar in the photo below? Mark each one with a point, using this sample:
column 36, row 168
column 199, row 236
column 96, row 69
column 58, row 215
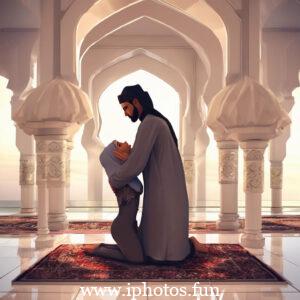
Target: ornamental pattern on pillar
column 253, row 170
column 56, row 163
column 27, row 170
column 56, row 146
column 276, row 176
column 228, row 166
column 68, row 162
column 189, row 171
column 41, row 159
column 56, row 168
column 51, row 165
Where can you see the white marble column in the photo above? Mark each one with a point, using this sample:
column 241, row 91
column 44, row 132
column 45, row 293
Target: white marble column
column 93, row 147
column 95, row 178
column 25, row 145
column 201, row 143
column 43, row 239
column 228, row 179
column 56, row 181
column 189, row 170
column 68, row 171
column 253, row 188
column 277, row 155
column 276, row 169
column 200, row 180
column 27, row 183
column 249, row 114
column 192, row 123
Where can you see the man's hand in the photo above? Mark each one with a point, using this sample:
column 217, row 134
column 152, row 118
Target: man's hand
column 122, row 150
column 121, row 155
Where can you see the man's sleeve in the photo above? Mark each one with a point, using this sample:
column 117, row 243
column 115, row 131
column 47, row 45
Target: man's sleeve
column 139, row 155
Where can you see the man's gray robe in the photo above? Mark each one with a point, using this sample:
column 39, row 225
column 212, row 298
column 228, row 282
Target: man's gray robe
column 164, row 224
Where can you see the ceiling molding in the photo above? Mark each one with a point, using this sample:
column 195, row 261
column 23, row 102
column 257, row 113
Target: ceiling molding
column 281, row 29
column 19, row 29
column 142, row 41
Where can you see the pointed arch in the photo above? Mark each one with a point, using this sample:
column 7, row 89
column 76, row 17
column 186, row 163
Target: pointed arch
column 202, row 39
column 113, row 71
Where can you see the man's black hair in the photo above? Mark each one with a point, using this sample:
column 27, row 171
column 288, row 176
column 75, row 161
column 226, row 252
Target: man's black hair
column 136, row 91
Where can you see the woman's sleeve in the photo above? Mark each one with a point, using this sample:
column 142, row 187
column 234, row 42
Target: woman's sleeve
column 138, row 158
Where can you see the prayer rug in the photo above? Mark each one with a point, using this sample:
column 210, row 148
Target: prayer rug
column 284, row 223
column 16, row 225
column 211, row 262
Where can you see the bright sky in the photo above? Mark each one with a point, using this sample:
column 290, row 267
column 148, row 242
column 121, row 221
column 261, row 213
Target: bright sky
column 9, row 154
column 116, row 126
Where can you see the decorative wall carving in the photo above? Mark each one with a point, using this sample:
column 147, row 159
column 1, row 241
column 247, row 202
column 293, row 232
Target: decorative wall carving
column 27, row 170
column 228, row 161
column 253, row 170
column 189, row 171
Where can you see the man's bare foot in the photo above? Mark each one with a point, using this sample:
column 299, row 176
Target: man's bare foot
column 196, row 243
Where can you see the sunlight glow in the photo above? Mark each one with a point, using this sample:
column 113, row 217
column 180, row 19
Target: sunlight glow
column 9, row 154
column 116, row 126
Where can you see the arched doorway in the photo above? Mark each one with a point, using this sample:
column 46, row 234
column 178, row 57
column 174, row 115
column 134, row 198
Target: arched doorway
column 116, row 126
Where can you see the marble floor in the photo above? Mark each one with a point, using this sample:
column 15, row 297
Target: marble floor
column 281, row 252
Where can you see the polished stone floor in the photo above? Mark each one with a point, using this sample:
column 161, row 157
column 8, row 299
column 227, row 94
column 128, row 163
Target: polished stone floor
column 281, row 252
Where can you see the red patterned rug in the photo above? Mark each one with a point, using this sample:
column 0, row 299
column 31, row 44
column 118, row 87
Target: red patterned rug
column 16, row 225
column 211, row 262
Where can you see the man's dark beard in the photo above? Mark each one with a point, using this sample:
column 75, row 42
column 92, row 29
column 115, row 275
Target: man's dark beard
column 135, row 115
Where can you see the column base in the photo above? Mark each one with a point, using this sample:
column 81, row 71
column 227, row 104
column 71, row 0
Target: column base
column 28, row 211
column 228, row 221
column 44, row 241
column 276, row 206
column 252, row 240
column 276, row 210
column 58, row 222
column 28, row 205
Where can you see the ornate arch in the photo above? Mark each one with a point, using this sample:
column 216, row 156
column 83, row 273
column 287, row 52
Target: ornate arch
column 233, row 24
column 210, row 53
column 104, row 77
column 161, row 12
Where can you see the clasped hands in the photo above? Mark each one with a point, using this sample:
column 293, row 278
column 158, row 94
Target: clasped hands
column 122, row 152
